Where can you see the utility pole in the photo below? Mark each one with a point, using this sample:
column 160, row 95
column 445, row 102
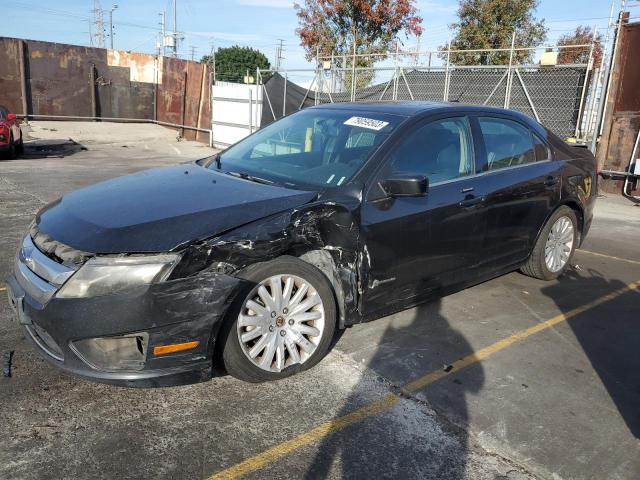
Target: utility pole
column 193, row 53
column 175, row 29
column 279, row 53
column 212, row 58
column 163, row 34
column 111, row 25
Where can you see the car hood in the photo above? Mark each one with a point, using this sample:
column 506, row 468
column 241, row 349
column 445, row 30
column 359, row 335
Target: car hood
column 160, row 209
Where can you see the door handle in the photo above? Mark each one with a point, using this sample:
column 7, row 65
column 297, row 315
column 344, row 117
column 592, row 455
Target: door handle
column 467, row 190
column 471, row 201
column 551, row 181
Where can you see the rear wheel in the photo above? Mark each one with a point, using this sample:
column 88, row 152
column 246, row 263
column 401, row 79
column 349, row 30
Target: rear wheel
column 555, row 246
column 281, row 324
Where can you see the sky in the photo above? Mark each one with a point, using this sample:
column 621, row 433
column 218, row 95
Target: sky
column 255, row 23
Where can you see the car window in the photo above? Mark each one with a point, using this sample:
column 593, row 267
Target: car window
column 359, row 139
column 316, row 147
column 441, row 150
column 541, row 149
column 3, row 113
column 508, row 143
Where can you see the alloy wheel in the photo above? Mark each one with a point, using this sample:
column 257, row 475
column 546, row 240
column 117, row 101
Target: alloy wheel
column 281, row 322
column 559, row 244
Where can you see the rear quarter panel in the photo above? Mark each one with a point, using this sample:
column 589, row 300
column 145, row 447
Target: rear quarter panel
column 579, row 180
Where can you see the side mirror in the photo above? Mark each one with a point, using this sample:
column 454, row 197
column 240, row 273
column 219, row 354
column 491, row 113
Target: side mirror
column 11, row 116
column 405, row 186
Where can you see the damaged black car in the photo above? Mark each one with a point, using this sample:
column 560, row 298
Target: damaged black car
column 251, row 260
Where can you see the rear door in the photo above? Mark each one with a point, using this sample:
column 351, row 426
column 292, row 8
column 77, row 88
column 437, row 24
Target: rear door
column 523, row 184
column 414, row 245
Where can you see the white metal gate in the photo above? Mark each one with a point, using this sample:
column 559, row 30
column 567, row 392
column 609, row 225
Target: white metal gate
column 236, row 110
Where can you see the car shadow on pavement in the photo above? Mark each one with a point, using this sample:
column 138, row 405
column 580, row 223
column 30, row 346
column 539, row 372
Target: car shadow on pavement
column 408, row 441
column 608, row 334
column 37, row 149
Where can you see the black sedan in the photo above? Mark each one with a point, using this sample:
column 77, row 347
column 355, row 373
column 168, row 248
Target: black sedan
column 251, row 260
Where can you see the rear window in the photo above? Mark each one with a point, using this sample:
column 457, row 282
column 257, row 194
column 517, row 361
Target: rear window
column 507, row 143
column 541, row 148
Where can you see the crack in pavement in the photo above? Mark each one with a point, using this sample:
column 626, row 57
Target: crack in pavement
column 14, row 188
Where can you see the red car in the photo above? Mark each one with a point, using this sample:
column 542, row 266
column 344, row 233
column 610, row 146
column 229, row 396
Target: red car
column 10, row 134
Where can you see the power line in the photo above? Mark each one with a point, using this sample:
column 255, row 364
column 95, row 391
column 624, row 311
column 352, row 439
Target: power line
column 98, row 33
column 46, row 10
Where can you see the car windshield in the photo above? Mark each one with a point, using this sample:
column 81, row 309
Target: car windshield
column 315, row 148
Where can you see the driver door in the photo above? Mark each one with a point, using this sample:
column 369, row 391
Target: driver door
column 414, row 246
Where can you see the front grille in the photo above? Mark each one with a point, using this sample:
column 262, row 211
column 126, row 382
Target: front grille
column 56, row 250
column 45, row 267
column 38, row 274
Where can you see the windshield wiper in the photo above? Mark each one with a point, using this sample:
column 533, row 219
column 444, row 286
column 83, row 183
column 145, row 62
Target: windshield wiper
column 252, row 178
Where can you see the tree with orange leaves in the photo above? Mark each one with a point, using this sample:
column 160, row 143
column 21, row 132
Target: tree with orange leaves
column 582, row 36
column 339, row 26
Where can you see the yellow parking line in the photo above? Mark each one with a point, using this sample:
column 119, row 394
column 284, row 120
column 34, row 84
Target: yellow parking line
column 2, row 289
column 635, row 262
column 271, row 455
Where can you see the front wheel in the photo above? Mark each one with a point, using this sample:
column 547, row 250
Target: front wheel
column 281, row 323
column 555, row 246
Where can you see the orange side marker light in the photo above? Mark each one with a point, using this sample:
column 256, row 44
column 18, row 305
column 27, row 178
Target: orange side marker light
column 175, row 347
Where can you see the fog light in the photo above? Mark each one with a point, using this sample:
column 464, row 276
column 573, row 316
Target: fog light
column 127, row 352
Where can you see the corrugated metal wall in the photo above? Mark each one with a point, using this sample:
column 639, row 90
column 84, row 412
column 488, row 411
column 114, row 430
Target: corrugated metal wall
column 623, row 118
column 58, row 80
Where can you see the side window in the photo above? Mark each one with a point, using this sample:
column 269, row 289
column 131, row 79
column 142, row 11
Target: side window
column 441, row 150
column 508, row 143
column 542, row 151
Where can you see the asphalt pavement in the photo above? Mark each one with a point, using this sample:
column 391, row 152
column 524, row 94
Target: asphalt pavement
column 512, row 379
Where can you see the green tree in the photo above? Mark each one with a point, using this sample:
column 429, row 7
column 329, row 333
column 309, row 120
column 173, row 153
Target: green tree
column 582, row 36
column 489, row 24
column 329, row 27
column 232, row 63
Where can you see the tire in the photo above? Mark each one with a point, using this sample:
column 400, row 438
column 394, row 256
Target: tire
column 20, row 146
column 299, row 344
column 11, row 153
column 537, row 265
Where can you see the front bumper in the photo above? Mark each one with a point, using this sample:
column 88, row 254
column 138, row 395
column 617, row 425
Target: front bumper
column 170, row 312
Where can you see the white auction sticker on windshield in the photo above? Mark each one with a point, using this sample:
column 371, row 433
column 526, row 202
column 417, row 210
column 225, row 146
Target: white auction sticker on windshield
column 364, row 122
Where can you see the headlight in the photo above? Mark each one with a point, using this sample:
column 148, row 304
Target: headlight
column 105, row 275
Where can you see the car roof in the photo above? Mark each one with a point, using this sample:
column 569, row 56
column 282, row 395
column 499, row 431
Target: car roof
column 410, row 108
column 405, row 108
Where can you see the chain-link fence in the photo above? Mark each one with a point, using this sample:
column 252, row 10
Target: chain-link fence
column 555, row 96
column 558, row 94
